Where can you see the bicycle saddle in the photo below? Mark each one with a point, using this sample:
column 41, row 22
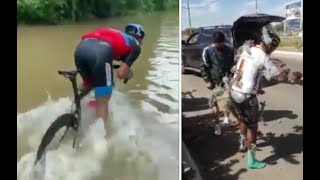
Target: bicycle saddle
column 69, row 73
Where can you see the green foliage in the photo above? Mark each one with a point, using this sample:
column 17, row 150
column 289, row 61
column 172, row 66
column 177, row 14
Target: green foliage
column 279, row 27
column 56, row 11
column 50, row 11
column 187, row 31
column 294, row 42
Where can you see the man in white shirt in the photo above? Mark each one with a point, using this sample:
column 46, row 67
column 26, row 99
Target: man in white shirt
column 252, row 65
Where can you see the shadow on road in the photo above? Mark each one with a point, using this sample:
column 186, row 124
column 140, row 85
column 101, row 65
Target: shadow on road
column 272, row 115
column 208, row 150
column 192, row 72
column 284, row 146
column 191, row 103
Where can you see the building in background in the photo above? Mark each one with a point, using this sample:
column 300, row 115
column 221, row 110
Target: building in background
column 294, row 16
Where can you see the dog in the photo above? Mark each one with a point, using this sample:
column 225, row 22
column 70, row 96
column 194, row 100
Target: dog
column 220, row 102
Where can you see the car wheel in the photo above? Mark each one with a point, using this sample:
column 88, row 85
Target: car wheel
column 183, row 69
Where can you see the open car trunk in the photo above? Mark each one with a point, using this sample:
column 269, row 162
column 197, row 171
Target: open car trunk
column 248, row 26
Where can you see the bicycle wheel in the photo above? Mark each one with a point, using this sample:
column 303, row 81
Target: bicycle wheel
column 65, row 120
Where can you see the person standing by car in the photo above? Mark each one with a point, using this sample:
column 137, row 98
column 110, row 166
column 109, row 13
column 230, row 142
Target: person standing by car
column 218, row 60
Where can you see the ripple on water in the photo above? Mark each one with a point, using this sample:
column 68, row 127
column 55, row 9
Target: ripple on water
column 164, row 76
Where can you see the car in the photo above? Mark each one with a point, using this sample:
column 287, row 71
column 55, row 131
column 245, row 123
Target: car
column 192, row 47
column 244, row 28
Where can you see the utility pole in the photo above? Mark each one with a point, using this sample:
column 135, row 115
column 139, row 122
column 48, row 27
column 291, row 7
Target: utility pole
column 256, row 6
column 189, row 18
column 301, row 22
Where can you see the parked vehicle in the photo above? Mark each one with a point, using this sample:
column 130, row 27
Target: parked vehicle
column 193, row 46
column 243, row 28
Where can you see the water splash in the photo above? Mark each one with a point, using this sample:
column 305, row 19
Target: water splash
column 129, row 147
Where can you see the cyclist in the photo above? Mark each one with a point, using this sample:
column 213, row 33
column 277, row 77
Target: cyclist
column 94, row 56
column 244, row 90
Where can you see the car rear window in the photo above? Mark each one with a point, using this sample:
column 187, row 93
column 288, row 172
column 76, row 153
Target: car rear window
column 206, row 35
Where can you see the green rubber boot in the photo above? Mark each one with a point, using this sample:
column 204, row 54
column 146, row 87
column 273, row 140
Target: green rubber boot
column 252, row 163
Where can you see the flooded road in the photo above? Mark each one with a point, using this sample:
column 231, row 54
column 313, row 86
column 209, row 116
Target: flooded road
column 144, row 112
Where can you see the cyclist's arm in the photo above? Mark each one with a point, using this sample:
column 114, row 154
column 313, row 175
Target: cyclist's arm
column 273, row 71
column 134, row 54
column 124, row 72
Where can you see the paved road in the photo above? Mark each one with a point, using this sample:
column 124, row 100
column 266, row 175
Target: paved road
column 217, row 157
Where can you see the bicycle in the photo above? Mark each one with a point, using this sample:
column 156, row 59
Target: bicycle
column 68, row 120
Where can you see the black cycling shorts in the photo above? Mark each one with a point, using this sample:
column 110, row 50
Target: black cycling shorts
column 93, row 58
column 249, row 109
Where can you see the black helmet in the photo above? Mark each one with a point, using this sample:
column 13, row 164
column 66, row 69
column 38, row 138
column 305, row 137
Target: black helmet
column 270, row 38
column 135, row 30
column 275, row 39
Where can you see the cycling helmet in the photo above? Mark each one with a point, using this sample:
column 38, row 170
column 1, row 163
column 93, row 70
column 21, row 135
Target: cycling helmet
column 270, row 38
column 275, row 39
column 135, row 30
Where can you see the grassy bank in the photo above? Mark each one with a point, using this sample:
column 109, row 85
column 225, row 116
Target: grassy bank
column 289, row 48
column 60, row 11
column 294, row 44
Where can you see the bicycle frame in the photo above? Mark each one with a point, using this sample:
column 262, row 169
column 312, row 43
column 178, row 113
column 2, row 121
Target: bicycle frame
column 77, row 99
column 72, row 76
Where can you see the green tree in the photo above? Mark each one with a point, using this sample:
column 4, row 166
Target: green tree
column 279, row 27
column 56, row 11
column 187, row 31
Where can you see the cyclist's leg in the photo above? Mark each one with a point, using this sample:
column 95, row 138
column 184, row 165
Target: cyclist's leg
column 84, row 57
column 102, row 77
column 239, row 113
column 251, row 107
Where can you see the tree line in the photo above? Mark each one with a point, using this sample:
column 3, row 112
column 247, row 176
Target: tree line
column 59, row 11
